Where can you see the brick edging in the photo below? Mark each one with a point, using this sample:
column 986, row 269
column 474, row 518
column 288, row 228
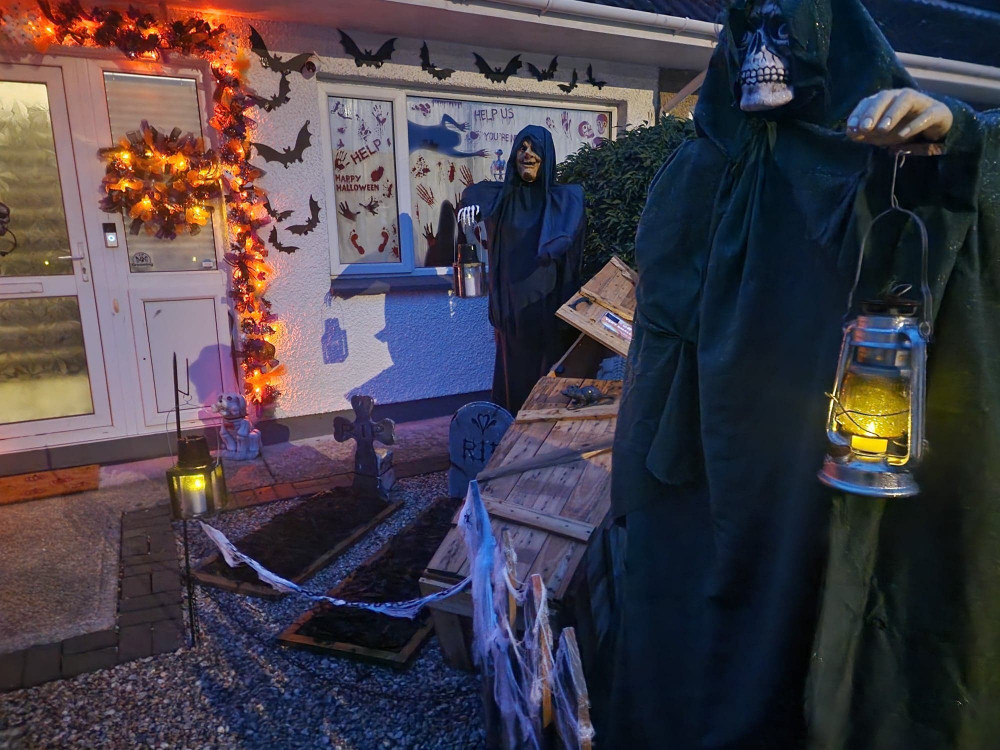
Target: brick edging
column 149, row 618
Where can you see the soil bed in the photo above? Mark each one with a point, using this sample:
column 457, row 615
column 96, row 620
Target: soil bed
column 392, row 574
column 297, row 543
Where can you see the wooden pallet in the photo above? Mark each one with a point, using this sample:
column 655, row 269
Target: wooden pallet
column 610, row 295
column 552, row 515
column 262, row 590
column 39, row 484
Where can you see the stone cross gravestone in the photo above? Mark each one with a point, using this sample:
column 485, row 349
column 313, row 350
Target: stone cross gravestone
column 474, row 434
column 373, row 472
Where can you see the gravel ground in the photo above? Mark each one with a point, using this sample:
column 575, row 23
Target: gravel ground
column 240, row 689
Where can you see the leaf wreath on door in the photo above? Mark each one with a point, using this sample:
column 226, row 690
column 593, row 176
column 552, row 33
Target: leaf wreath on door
column 165, row 182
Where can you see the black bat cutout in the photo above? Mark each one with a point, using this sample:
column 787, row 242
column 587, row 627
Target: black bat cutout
column 567, row 87
column 548, row 73
column 276, row 215
column 269, row 105
column 592, row 81
column 367, row 57
column 311, row 223
column 287, row 155
column 498, row 75
column 434, row 70
column 273, row 239
column 300, row 63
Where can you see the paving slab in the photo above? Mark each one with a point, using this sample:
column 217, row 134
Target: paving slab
column 59, row 563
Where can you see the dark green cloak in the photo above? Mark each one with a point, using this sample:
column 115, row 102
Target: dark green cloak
column 746, row 251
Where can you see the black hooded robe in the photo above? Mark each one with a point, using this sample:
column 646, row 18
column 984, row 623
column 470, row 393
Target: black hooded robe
column 746, row 251
column 535, row 236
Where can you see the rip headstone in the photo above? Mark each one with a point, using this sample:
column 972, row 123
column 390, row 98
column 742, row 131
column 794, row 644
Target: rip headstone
column 373, row 472
column 474, row 434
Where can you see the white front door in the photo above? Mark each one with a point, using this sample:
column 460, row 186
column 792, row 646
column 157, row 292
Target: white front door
column 52, row 374
column 172, row 290
column 88, row 330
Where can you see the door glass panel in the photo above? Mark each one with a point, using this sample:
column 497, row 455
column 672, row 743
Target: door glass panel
column 43, row 363
column 165, row 103
column 29, row 186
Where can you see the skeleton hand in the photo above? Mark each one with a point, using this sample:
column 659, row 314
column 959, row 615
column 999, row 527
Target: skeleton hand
column 898, row 115
column 468, row 216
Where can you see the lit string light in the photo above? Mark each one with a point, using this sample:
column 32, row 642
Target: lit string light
column 141, row 36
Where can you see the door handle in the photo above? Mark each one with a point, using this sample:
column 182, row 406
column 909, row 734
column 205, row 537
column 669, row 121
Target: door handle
column 71, row 257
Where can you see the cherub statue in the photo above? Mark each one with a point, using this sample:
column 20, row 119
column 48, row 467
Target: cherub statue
column 242, row 441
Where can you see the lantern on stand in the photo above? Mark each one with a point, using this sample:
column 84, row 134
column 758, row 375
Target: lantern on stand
column 197, row 487
column 875, row 422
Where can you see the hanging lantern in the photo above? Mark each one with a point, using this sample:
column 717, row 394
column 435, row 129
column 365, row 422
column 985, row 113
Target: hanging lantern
column 197, row 483
column 875, row 422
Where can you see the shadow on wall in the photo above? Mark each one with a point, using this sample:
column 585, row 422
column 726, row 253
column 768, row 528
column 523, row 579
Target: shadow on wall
column 439, row 345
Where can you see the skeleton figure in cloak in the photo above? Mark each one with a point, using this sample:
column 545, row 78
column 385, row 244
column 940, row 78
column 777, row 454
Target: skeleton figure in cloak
column 760, row 608
column 535, row 231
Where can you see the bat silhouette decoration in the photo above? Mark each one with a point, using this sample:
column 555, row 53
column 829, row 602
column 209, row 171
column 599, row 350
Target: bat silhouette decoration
column 567, row 87
column 548, row 73
column 498, row 75
column 434, row 70
column 272, row 103
column 300, row 63
column 593, row 81
column 289, row 154
column 276, row 215
column 311, row 223
column 367, row 57
column 273, row 239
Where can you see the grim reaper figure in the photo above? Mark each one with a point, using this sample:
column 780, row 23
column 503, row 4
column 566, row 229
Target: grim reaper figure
column 535, row 231
column 746, row 580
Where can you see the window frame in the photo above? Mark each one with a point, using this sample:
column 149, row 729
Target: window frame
column 397, row 96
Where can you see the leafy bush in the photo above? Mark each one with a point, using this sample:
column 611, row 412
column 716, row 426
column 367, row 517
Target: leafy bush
column 615, row 178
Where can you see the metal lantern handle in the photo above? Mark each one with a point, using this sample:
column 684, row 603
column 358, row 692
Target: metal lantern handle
column 926, row 326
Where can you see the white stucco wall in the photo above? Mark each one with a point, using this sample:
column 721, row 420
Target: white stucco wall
column 402, row 345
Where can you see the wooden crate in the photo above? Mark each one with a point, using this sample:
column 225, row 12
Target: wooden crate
column 605, row 307
column 555, row 517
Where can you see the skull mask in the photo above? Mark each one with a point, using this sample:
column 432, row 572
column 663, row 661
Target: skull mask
column 765, row 73
column 585, row 130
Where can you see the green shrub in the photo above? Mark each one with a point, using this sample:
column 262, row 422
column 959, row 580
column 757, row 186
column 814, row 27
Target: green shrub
column 615, row 178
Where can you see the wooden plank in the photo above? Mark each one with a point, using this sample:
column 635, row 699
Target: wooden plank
column 588, row 322
column 398, row 659
column 566, row 527
column 36, row 485
column 595, row 411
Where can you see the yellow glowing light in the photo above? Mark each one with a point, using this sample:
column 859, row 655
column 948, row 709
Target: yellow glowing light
column 868, row 444
column 874, row 405
column 193, row 483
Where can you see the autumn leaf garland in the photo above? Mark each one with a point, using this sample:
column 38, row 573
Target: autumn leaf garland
column 164, row 182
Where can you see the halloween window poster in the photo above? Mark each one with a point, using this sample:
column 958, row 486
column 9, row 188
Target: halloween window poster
column 454, row 143
column 364, row 175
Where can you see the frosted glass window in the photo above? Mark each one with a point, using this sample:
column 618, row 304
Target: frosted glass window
column 165, row 103
column 364, row 174
column 29, row 185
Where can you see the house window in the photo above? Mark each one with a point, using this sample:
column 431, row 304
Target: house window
column 364, row 180
column 165, row 103
column 399, row 161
